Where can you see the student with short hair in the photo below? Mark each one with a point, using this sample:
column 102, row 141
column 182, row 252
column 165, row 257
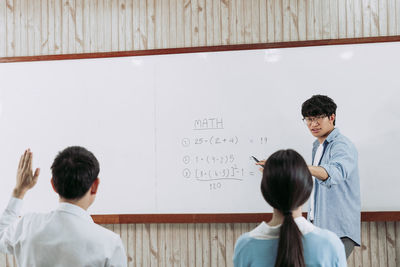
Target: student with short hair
column 288, row 239
column 66, row 236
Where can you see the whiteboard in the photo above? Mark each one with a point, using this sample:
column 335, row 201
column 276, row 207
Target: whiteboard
column 174, row 133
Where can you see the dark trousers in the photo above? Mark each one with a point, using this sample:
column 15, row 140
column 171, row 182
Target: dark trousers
column 348, row 245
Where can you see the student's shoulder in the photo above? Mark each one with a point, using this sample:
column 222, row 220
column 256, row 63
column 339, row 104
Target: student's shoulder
column 324, row 247
column 33, row 218
column 325, row 239
column 242, row 242
column 243, row 239
column 100, row 237
column 247, row 242
column 105, row 233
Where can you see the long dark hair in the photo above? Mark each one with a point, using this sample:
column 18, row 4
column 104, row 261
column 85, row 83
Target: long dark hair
column 286, row 185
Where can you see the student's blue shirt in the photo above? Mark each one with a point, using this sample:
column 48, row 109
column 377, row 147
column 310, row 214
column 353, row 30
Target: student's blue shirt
column 321, row 248
column 337, row 199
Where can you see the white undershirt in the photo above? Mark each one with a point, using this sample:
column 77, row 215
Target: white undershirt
column 266, row 232
column 317, row 158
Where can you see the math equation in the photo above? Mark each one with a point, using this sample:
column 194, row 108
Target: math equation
column 214, row 155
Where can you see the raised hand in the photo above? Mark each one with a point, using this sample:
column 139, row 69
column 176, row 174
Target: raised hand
column 26, row 179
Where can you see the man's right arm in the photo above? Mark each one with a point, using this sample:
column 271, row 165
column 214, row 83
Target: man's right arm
column 26, row 179
column 8, row 225
column 342, row 161
column 318, row 172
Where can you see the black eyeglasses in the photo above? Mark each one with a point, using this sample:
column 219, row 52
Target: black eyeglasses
column 310, row 120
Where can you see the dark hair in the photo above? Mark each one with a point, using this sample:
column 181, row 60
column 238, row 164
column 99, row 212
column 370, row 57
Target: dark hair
column 74, row 170
column 318, row 105
column 286, row 185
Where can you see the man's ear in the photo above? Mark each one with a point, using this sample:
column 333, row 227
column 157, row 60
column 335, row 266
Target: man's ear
column 95, row 185
column 52, row 185
column 332, row 117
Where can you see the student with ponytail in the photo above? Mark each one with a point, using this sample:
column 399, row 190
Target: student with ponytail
column 288, row 240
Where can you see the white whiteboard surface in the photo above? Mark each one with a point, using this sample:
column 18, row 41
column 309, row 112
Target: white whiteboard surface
column 174, row 133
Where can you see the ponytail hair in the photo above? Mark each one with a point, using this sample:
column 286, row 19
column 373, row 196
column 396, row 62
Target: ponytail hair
column 286, row 185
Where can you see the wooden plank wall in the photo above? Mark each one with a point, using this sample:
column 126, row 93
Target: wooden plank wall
column 202, row 245
column 44, row 27
column 211, row 244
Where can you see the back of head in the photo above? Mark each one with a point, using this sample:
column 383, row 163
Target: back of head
column 74, row 170
column 318, row 105
column 286, row 185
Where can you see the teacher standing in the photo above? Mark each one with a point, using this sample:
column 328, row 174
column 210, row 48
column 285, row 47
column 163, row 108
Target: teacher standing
column 335, row 203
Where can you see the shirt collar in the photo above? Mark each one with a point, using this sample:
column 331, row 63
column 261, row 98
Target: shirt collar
column 264, row 231
column 332, row 135
column 75, row 210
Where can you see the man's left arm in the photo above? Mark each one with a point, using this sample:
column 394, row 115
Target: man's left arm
column 118, row 257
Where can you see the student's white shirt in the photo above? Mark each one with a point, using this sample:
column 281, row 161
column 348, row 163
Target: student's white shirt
column 317, row 159
column 66, row 236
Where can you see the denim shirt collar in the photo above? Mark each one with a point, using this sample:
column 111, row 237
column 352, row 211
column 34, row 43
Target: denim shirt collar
column 335, row 132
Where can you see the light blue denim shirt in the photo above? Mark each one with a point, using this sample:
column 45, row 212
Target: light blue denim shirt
column 337, row 199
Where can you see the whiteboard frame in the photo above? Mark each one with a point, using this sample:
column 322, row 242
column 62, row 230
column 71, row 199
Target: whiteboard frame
column 214, row 217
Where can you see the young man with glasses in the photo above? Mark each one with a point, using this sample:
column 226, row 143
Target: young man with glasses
column 335, row 203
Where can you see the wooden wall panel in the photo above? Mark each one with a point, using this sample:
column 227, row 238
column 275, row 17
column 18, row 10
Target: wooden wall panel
column 48, row 27
column 3, row 28
column 213, row 244
column 76, row 26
